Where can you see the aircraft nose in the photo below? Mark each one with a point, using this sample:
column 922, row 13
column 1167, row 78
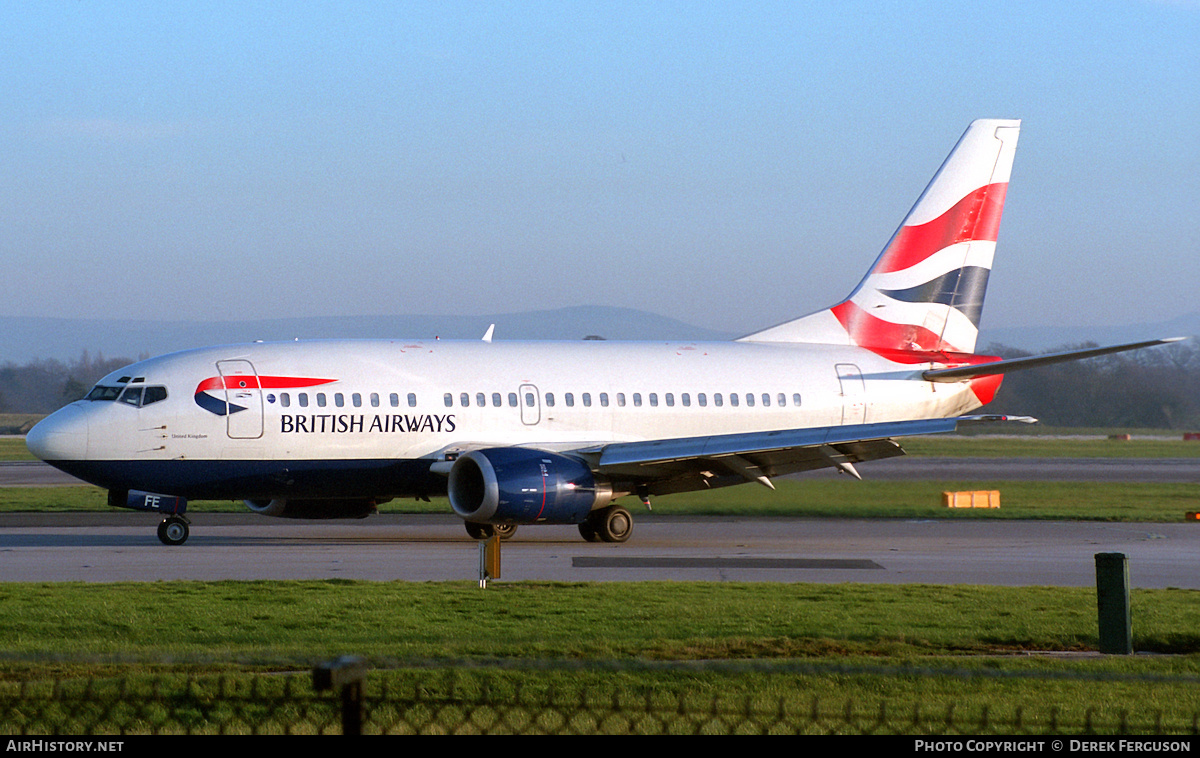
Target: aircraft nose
column 61, row 436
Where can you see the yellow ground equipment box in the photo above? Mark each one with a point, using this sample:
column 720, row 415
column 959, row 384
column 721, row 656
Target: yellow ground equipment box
column 976, row 499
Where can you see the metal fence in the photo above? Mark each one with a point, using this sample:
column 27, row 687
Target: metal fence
column 551, row 698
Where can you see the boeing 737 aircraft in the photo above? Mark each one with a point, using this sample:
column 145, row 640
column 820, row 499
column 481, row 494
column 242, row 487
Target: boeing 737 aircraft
column 557, row 432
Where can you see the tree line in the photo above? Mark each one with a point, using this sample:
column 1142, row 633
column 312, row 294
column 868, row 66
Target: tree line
column 44, row 386
column 1157, row 388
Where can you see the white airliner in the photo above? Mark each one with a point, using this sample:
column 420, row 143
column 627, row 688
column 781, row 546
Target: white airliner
column 555, row 432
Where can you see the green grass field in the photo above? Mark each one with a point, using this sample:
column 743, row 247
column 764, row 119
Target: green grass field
column 907, row 648
column 269, row 620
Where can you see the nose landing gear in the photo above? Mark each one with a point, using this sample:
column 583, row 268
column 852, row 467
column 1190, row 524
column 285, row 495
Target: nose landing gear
column 173, row 530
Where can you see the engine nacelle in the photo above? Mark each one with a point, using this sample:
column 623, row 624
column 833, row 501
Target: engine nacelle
column 313, row 508
column 512, row 485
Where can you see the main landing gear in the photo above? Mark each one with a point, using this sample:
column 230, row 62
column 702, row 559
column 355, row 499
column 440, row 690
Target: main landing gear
column 173, row 530
column 611, row 524
column 483, row 531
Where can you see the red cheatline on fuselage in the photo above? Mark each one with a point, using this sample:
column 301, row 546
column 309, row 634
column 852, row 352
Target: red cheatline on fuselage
column 252, row 381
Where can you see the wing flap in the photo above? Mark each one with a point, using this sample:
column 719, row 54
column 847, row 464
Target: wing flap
column 768, row 454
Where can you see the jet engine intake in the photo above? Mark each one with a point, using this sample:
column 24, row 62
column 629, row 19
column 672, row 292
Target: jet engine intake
column 513, row 485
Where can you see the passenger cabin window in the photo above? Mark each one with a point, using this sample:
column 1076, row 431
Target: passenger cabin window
column 496, row 400
column 374, row 399
column 412, row 400
column 549, row 399
column 448, row 398
column 569, row 399
column 394, row 399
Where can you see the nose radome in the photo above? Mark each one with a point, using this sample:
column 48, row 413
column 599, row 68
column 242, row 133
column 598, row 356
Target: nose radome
column 61, row 436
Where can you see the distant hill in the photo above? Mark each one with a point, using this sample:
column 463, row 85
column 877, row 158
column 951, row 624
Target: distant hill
column 24, row 339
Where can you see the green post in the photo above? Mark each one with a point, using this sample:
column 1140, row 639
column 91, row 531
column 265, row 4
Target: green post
column 1112, row 602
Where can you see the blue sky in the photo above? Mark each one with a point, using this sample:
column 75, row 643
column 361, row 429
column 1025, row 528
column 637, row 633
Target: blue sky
column 729, row 164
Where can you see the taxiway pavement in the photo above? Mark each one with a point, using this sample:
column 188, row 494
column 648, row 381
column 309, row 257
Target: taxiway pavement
column 123, row 547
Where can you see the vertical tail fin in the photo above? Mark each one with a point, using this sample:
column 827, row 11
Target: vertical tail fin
column 925, row 291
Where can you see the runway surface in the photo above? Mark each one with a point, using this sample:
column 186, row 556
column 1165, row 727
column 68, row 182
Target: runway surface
column 123, row 547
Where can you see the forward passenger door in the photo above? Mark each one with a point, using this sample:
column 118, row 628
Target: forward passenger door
column 243, row 397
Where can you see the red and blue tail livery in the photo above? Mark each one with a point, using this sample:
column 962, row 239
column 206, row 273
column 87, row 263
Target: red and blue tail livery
column 924, row 293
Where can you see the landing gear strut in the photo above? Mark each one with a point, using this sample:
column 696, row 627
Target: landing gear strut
column 611, row 524
column 173, row 530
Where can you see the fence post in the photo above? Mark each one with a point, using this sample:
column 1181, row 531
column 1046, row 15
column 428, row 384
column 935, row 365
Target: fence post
column 1112, row 603
column 345, row 674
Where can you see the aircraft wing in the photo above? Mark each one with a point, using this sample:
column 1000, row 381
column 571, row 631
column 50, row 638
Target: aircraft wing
column 689, row 463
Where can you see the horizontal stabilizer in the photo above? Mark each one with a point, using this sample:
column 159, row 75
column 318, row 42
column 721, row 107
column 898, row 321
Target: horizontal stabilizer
column 989, row 418
column 1017, row 364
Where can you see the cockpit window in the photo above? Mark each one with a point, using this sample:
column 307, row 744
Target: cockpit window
column 138, row 397
column 100, row 392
